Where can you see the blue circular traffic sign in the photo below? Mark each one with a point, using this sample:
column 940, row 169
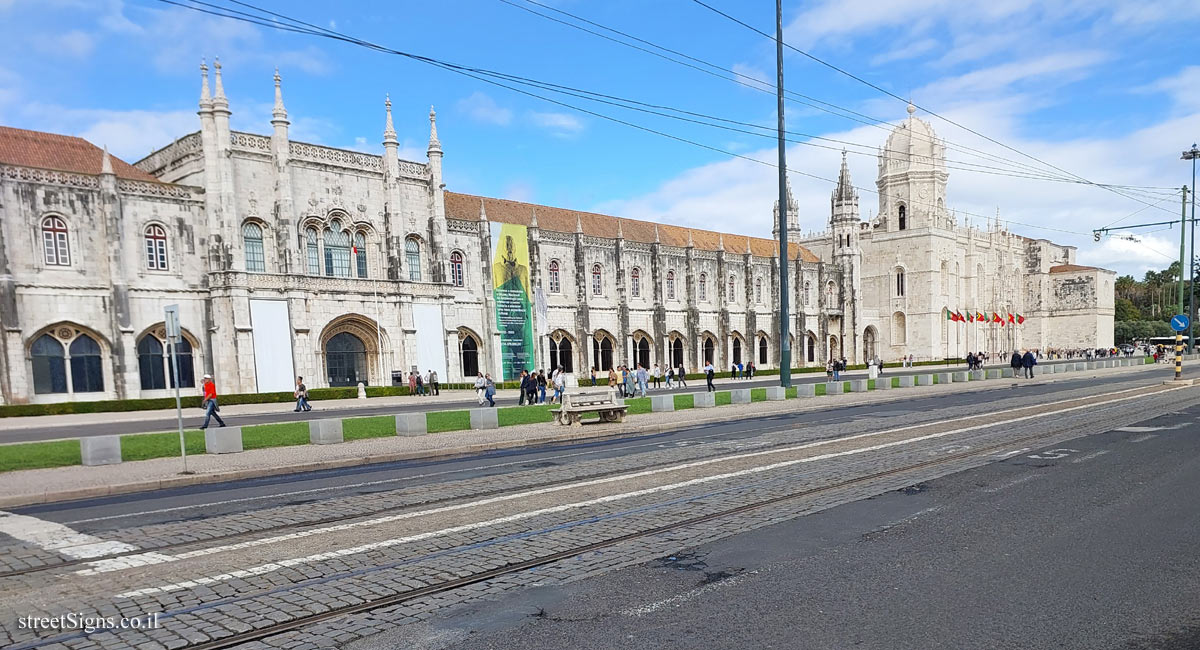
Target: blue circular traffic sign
column 1180, row 322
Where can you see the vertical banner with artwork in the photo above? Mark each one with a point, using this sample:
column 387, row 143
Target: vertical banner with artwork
column 513, row 295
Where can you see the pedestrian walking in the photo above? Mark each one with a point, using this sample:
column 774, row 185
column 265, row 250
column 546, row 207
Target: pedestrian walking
column 412, row 383
column 593, row 376
column 829, row 370
column 523, row 388
column 489, row 389
column 627, row 381
column 433, row 382
column 560, row 385
column 709, row 373
column 480, row 387
column 642, row 379
column 210, row 403
column 670, row 375
column 657, row 375
column 741, row 370
column 541, row 386
column 301, row 396
column 531, row 398
column 1015, row 362
column 681, row 376
column 1028, row 362
column 420, row 384
column 750, row 370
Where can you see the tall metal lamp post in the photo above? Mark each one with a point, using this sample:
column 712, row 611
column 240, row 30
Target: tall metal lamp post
column 1192, row 154
column 785, row 342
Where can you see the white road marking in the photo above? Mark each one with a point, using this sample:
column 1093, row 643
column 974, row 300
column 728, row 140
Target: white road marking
column 1095, row 454
column 1013, row 483
column 1013, row 453
column 650, row 608
column 1146, row 429
column 1054, row 454
column 56, row 537
column 1143, row 438
column 102, row 566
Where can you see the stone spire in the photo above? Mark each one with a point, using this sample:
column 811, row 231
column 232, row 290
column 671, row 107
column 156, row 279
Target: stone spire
column 219, row 101
column 578, row 224
column 620, row 231
column 690, row 244
column 533, row 220
column 106, row 167
column 205, row 96
column 721, row 241
column 482, row 210
column 845, row 187
column 434, row 144
column 656, row 239
column 748, row 249
column 389, row 131
column 793, row 214
column 279, row 113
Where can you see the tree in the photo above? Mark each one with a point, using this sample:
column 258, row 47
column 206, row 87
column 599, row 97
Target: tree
column 1125, row 310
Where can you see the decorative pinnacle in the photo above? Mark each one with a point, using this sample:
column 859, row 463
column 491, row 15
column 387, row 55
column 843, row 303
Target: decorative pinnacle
column 690, row 244
column 721, row 241
column 434, row 144
column 911, row 109
column 106, row 162
column 656, row 239
column 279, row 112
column 389, row 131
column 482, row 210
column 620, row 231
column 205, row 96
column 578, row 224
column 533, row 220
column 219, row 88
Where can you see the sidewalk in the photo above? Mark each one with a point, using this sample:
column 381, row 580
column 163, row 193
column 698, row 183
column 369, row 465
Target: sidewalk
column 506, row 397
column 66, row 483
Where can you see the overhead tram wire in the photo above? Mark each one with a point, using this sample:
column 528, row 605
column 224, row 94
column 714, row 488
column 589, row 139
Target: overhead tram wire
column 748, row 81
column 926, row 110
column 468, row 72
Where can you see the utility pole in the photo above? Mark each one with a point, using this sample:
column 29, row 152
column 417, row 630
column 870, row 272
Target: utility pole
column 1179, row 331
column 1192, row 154
column 785, row 342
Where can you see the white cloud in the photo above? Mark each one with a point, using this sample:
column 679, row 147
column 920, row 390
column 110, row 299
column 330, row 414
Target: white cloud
column 482, row 108
column 129, row 135
column 518, row 191
column 754, row 73
column 75, row 44
column 562, row 125
column 906, row 51
column 1184, row 88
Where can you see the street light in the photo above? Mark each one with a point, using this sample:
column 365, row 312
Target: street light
column 1192, row 154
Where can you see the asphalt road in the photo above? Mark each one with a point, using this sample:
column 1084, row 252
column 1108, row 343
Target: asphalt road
column 102, row 425
column 209, row 500
column 1088, row 545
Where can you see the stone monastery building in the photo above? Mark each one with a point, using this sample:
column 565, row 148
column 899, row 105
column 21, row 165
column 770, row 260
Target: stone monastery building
column 288, row 258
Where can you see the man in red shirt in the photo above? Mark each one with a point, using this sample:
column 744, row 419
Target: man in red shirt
column 210, row 403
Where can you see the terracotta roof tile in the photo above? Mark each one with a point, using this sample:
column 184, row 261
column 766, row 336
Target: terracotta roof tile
column 63, row 153
column 466, row 207
column 1070, row 268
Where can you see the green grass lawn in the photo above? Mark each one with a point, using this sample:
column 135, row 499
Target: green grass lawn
column 684, row 402
column 440, row 421
column 282, row 434
column 144, row 446
column 758, row 394
column 515, row 415
column 380, row 426
column 34, row 455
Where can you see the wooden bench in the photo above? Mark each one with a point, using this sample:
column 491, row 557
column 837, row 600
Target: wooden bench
column 574, row 405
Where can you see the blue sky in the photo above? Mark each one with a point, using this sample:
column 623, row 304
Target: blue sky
column 1106, row 90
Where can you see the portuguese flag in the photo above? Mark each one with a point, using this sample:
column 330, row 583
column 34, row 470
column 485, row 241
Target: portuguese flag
column 1020, row 319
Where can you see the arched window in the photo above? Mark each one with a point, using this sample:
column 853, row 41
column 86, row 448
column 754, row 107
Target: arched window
column 903, row 222
column 899, row 329
column 555, row 284
column 758, row 290
column 730, row 291
column 899, row 283
column 737, row 350
column 831, row 293
column 762, row 350
column 252, row 240
column 456, row 268
column 469, row 350
column 643, row 352
column 87, row 372
column 154, row 364
column 670, row 285
column 49, row 366
column 314, row 252
column 360, row 254
column 561, row 355
column 807, row 293
column 702, row 287
column 812, row 348
column 677, row 353
column 602, row 353
column 337, row 251
column 412, row 257
column 597, row 280
column 709, row 348
column 54, row 243
column 345, row 360
column 156, row 248
column 635, row 282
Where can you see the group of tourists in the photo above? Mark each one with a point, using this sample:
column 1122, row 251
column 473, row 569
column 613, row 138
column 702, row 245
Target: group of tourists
column 426, row 384
column 834, row 369
column 533, row 387
column 1023, row 362
column 739, row 371
column 975, row 360
column 485, row 389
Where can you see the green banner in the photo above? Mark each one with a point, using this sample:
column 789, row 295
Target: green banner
column 513, row 295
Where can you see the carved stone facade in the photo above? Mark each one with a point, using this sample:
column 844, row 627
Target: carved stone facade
column 289, row 258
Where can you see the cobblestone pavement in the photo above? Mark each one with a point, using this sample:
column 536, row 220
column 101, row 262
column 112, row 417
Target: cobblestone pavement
column 211, row 578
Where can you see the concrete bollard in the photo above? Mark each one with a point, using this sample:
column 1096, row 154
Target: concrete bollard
column 942, row 377
column 411, row 424
column 905, row 381
column 924, row 380
column 834, row 388
column 362, row 390
column 960, row 376
column 223, row 440
column 100, row 450
column 739, row 396
column 1007, row 373
column 1080, row 366
column 883, row 383
column 858, row 385
column 324, row 432
column 977, row 375
column 485, row 418
column 997, row 373
column 662, row 403
column 1051, row 368
column 704, row 400
column 776, row 393
column 806, row 390
column 1091, row 365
